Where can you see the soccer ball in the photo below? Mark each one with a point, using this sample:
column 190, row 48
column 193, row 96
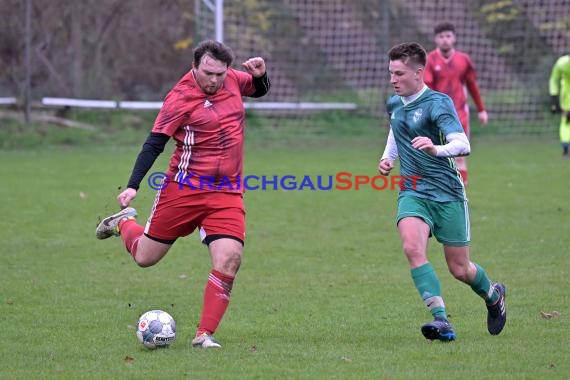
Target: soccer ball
column 156, row 328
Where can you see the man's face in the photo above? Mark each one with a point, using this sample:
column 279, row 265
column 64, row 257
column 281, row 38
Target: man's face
column 445, row 40
column 210, row 74
column 405, row 79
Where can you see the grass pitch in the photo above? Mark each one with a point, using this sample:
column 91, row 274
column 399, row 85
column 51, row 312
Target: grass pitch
column 324, row 290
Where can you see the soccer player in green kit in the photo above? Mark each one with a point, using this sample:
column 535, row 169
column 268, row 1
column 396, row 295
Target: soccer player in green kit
column 426, row 135
column 559, row 87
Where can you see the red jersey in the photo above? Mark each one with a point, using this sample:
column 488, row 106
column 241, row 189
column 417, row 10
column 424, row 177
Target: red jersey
column 451, row 76
column 208, row 130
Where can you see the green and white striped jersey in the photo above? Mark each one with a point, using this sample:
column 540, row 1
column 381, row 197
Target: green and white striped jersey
column 431, row 115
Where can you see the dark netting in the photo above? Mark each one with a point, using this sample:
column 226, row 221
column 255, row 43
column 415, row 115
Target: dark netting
column 318, row 51
column 334, row 50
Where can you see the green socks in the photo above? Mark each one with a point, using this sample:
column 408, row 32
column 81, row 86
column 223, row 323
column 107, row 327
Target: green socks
column 427, row 284
column 483, row 287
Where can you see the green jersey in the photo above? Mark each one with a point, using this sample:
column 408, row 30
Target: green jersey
column 431, row 115
column 559, row 83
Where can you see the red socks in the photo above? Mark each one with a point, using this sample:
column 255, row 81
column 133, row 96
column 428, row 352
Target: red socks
column 218, row 288
column 131, row 232
column 216, row 300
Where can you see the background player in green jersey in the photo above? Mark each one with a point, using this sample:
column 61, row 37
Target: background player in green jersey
column 425, row 133
column 559, row 86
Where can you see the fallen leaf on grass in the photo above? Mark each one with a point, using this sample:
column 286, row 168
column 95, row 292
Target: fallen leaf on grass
column 129, row 360
column 550, row 314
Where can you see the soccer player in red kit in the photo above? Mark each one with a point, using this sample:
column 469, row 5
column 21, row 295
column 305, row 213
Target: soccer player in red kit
column 205, row 116
column 451, row 71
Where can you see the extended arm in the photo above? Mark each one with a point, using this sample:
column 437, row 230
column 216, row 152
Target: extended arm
column 471, row 83
column 256, row 67
column 152, row 148
column 262, row 86
column 473, row 89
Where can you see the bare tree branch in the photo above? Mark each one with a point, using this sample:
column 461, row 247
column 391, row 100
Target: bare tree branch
column 60, row 81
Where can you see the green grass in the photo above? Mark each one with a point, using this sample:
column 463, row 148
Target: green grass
column 324, row 291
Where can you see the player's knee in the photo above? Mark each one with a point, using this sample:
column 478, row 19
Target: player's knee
column 230, row 262
column 149, row 252
column 413, row 250
column 144, row 262
column 460, row 273
column 233, row 261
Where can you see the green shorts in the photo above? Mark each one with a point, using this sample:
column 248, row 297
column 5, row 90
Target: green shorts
column 448, row 221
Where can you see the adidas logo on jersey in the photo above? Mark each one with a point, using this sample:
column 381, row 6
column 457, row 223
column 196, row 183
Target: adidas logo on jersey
column 207, row 104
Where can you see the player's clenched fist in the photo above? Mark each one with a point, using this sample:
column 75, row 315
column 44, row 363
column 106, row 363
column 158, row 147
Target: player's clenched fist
column 385, row 166
column 255, row 66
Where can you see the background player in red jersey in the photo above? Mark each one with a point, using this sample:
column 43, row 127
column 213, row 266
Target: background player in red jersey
column 204, row 114
column 451, row 71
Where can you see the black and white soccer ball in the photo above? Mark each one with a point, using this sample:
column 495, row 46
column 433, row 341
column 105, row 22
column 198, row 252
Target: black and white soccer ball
column 156, row 328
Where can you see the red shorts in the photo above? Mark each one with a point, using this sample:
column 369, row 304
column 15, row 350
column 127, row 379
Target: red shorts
column 178, row 212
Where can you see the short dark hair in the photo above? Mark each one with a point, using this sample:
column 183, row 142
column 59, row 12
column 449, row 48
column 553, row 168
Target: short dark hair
column 444, row 27
column 408, row 52
column 216, row 50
